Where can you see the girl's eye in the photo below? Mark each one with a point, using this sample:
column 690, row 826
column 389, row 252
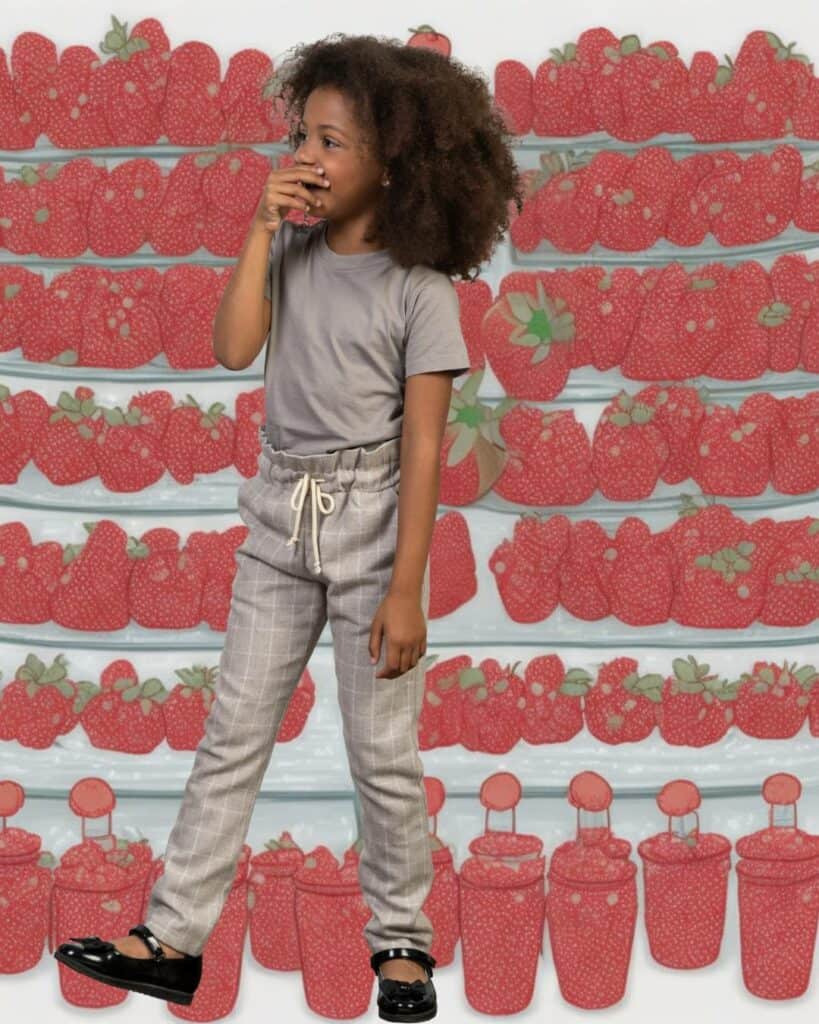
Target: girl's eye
column 300, row 135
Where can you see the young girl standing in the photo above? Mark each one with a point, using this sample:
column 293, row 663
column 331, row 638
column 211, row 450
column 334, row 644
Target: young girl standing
column 402, row 157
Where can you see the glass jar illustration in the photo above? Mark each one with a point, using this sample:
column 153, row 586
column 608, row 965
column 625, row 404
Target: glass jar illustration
column 271, row 897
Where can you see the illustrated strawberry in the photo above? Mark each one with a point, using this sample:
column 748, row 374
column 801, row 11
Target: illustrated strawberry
column 426, row 36
column 125, row 714
column 132, row 83
column 621, row 705
column 28, row 574
column 217, row 550
column 733, row 450
column 715, row 107
column 58, row 319
column 551, row 710
column 187, row 706
column 123, row 205
column 512, row 95
column 490, row 712
column 17, row 126
column 765, row 73
column 560, row 96
column 635, row 596
column 231, row 185
column 250, row 415
column 92, row 590
column 166, row 583
column 565, row 201
column 452, row 578
column 22, row 417
column 40, row 214
column 763, row 200
column 605, row 304
column 65, row 449
column 192, row 112
column 755, row 317
column 121, row 327
column 794, row 290
column 473, row 453
column 526, row 568
column 684, row 323
column 772, row 701
column 23, row 293
column 527, row 337
column 696, row 707
column 154, row 408
column 474, row 299
column 687, row 223
column 252, row 113
column 439, row 722
column 581, row 588
column 38, row 705
column 298, row 708
column 525, row 231
column 719, row 193
column 197, row 440
column 792, row 591
column 628, row 450
column 188, row 304
column 721, row 566
column 129, row 456
column 76, row 115
column 633, row 213
column 678, row 413
column 178, row 223
column 549, row 458
column 794, row 443
column 806, row 213
column 34, row 67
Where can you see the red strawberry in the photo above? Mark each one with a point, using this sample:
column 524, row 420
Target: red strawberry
column 628, row 450
column 755, row 315
column 714, row 107
column 65, row 450
column 298, row 708
column 678, row 413
column 188, row 305
column 250, row 117
column 635, row 596
column 473, row 453
column 92, row 590
column 552, row 711
column 126, row 715
column 28, row 574
column 129, row 456
column 18, row 128
column 192, row 113
column 621, row 706
column 123, row 205
column 581, row 589
column 121, row 327
column 34, row 67
column 250, row 415
column 165, row 587
column 734, row 447
column 566, row 201
column 231, row 186
column 197, row 441
column 696, row 708
column 187, row 706
column 683, row 325
column 687, row 222
column 806, row 214
column 525, row 232
column 772, row 701
column 765, row 74
column 490, row 714
column 451, row 565
column 794, row 442
column 217, row 549
column 794, row 291
column 58, row 321
column 792, row 592
column 550, row 459
column 439, row 723
column 560, row 96
column 76, row 117
column 38, row 705
column 526, row 568
column 762, row 200
column 177, row 226
column 154, row 408
column 512, row 95
column 474, row 299
column 22, row 417
column 654, row 91
column 23, row 294
column 605, row 305
column 633, row 211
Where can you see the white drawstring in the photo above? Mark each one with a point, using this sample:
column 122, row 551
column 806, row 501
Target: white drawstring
column 317, row 497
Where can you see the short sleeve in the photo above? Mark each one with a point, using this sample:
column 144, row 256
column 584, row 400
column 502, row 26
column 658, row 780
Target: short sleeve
column 277, row 242
column 433, row 339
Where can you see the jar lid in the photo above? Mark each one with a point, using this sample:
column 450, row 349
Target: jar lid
column 578, row 863
column 667, row 848
column 506, row 845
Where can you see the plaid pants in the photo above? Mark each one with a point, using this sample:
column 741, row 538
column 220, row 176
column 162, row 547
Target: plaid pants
column 321, row 541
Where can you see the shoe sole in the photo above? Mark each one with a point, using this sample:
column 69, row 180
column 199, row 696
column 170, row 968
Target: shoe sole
column 144, row 987
column 426, row 1015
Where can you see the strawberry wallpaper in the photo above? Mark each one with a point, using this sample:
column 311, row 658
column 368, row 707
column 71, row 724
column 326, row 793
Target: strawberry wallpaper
column 624, row 565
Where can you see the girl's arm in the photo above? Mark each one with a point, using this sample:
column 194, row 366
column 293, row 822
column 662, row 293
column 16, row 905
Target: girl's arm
column 242, row 320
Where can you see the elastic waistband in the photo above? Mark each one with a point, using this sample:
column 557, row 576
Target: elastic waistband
column 371, row 470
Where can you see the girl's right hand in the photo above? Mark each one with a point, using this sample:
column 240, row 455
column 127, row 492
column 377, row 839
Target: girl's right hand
column 283, row 190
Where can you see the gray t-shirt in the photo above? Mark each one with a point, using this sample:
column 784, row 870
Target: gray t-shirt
column 351, row 328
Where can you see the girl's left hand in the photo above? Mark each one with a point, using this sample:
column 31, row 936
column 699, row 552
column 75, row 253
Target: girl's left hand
column 402, row 619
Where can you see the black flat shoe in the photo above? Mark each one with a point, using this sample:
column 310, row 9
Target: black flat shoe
column 405, row 1000
column 172, row 978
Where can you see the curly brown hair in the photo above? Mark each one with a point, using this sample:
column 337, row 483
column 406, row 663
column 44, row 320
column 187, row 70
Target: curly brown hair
column 432, row 123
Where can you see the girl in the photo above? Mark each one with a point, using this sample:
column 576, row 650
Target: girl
column 404, row 160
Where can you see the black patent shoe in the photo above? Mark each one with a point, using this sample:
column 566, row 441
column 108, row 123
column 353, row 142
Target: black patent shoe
column 405, row 1000
column 166, row 977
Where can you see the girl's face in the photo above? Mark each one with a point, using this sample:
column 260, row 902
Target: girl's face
column 328, row 138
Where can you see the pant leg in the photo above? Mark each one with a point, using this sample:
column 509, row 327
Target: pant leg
column 380, row 723
column 276, row 617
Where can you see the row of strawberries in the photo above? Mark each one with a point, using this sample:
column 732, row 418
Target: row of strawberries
column 633, row 92
column 487, row 707
column 709, row 569
column 523, row 453
column 627, row 202
column 122, row 712
column 661, row 322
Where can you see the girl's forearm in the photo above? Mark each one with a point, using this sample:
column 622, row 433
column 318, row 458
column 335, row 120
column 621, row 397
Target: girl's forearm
column 242, row 320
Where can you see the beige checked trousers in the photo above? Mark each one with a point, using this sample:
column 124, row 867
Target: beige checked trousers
column 321, row 542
